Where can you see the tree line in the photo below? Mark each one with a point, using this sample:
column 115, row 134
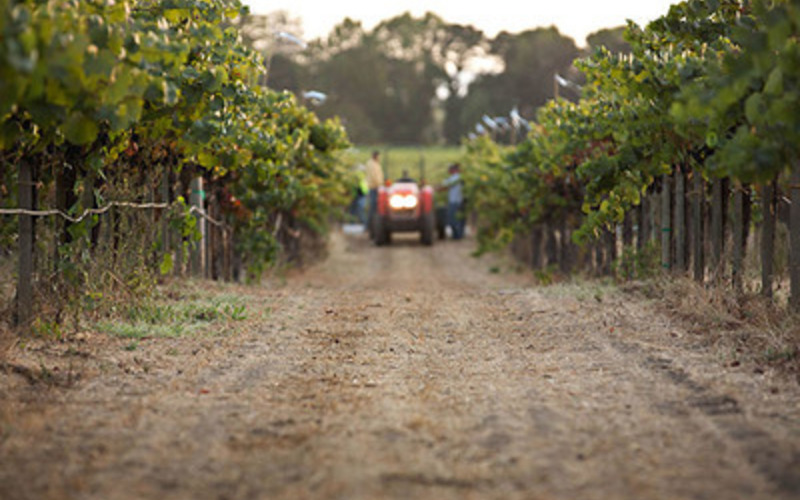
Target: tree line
column 422, row 80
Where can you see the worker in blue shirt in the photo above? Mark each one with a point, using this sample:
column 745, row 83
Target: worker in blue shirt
column 455, row 201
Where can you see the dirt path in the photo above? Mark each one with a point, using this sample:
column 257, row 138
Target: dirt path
column 409, row 372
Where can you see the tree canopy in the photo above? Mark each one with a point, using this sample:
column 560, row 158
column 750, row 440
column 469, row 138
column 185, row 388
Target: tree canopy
column 422, row 80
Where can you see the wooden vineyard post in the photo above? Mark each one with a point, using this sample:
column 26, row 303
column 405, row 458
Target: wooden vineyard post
column 212, row 253
column 205, row 230
column 627, row 258
column 217, row 256
column 654, row 217
column 165, row 198
column 597, row 250
column 66, row 178
column 151, row 235
column 738, row 238
column 551, row 246
column 515, row 247
column 717, row 229
column 666, row 228
column 26, row 238
column 628, row 228
column 179, row 242
column 698, row 199
column 574, row 251
column 610, row 240
column 536, row 247
column 198, row 247
column 643, row 232
column 737, row 263
column 564, row 254
column 680, row 219
column 227, row 264
column 88, row 202
column 794, row 237
column 767, row 238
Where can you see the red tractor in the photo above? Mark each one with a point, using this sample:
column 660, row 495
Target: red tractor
column 404, row 206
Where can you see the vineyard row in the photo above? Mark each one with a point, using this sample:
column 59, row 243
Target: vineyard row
column 688, row 146
column 110, row 107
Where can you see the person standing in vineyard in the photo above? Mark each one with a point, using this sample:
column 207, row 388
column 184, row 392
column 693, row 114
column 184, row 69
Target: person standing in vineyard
column 374, row 181
column 359, row 202
column 455, row 200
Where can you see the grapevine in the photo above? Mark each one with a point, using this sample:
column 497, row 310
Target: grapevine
column 709, row 91
column 110, row 101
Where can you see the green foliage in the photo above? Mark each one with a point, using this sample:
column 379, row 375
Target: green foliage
column 114, row 98
column 748, row 102
column 492, row 191
column 711, row 87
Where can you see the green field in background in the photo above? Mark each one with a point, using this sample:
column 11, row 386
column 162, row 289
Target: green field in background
column 428, row 161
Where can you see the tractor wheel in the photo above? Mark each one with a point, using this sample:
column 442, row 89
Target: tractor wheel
column 441, row 222
column 428, row 229
column 382, row 235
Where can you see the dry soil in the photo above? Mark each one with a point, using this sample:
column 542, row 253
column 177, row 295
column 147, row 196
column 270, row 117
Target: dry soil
column 402, row 372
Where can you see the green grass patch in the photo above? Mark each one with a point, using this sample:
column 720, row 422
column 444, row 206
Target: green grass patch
column 176, row 317
column 145, row 330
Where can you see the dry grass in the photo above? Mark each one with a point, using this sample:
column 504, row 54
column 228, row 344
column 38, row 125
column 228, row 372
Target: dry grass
column 749, row 328
column 7, row 342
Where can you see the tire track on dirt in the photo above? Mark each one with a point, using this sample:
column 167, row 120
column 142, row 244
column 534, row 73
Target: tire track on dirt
column 672, row 396
column 778, row 463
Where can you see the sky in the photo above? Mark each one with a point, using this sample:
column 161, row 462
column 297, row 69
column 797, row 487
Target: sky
column 574, row 18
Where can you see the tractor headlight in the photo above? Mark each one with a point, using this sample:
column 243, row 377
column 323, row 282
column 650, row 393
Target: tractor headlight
column 402, row 201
